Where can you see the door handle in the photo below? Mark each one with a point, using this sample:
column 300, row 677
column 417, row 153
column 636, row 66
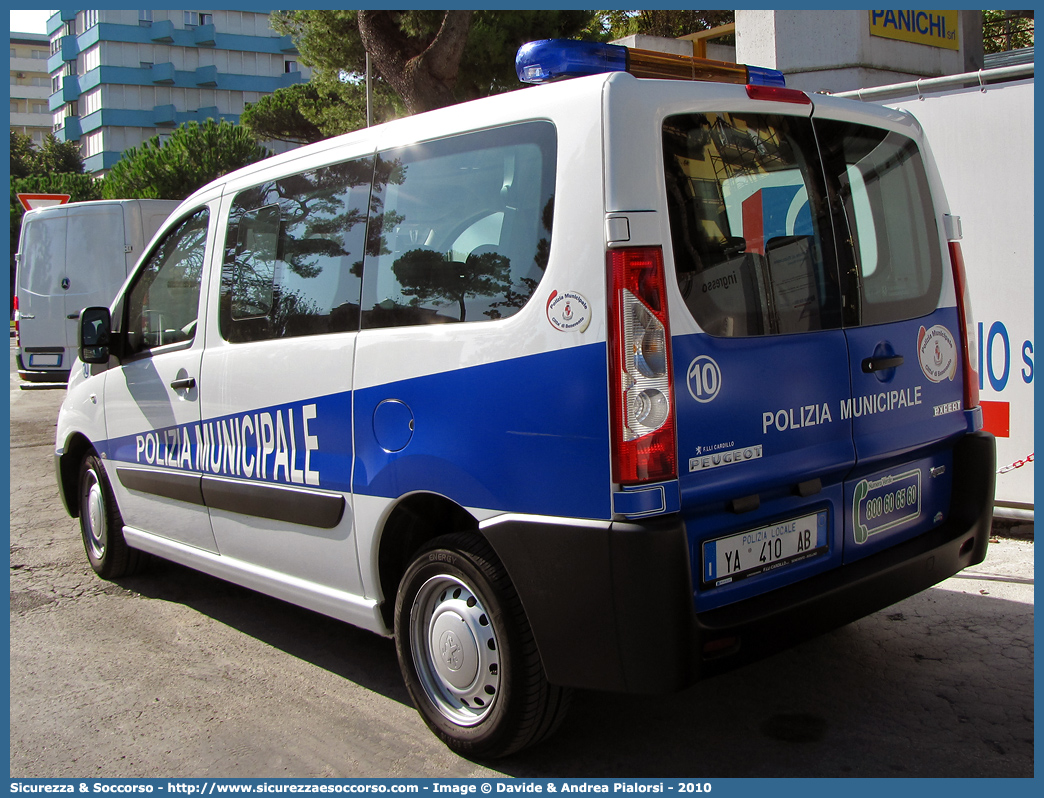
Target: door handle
column 872, row 364
column 184, row 385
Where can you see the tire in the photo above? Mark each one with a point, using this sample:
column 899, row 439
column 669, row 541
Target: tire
column 101, row 524
column 467, row 652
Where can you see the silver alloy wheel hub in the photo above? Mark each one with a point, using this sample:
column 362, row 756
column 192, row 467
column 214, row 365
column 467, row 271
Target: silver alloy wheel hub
column 455, row 650
column 95, row 510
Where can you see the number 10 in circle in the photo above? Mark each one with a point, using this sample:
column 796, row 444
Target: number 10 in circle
column 704, row 379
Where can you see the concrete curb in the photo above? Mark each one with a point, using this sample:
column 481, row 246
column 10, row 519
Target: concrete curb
column 1010, row 528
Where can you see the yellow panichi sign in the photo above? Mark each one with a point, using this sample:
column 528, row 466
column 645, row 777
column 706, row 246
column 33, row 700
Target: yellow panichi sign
column 933, row 28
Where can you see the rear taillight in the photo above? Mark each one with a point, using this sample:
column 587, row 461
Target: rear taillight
column 641, row 403
column 18, row 334
column 969, row 345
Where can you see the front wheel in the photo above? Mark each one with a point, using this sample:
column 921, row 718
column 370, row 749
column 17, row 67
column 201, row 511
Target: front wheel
column 101, row 524
column 467, row 652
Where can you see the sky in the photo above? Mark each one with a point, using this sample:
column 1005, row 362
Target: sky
column 30, row 21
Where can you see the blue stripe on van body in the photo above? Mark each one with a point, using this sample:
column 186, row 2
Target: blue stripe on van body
column 528, row 435
column 307, row 443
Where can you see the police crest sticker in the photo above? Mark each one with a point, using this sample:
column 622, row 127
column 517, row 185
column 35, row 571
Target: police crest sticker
column 937, row 353
column 568, row 311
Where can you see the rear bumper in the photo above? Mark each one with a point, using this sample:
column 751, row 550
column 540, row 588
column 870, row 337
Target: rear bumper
column 55, row 377
column 611, row 605
column 41, row 374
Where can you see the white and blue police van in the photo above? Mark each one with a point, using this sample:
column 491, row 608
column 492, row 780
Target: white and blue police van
column 613, row 382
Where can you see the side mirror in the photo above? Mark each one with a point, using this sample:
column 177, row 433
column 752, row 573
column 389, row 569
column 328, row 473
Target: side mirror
column 95, row 330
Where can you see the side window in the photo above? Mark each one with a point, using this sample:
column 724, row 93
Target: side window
column 257, row 245
column 461, row 227
column 294, row 253
column 888, row 214
column 750, row 231
column 163, row 303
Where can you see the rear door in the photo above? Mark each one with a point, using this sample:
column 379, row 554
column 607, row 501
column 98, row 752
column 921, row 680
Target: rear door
column 41, row 304
column 96, row 263
column 902, row 330
column 760, row 357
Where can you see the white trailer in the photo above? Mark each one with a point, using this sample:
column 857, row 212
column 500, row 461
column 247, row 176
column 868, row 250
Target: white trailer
column 982, row 139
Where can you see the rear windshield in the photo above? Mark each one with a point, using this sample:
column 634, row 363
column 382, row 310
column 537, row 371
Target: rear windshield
column 751, row 236
column 756, row 249
column 888, row 216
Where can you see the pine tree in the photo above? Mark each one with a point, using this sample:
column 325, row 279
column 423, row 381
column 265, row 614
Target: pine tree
column 194, row 155
column 427, row 59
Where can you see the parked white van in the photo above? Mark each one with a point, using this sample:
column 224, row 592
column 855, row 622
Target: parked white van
column 611, row 383
column 71, row 257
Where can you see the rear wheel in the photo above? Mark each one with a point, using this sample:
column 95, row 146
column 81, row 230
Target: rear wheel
column 467, row 652
column 101, row 524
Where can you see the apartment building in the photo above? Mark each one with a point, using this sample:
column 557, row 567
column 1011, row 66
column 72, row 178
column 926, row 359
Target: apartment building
column 30, row 86
column 120, row 77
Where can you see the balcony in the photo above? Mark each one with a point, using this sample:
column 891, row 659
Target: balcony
column 162, row 73
column 72, row 129
column 207, row 76
column 70, row 88
column 31, row 120
column 70, row 48
column 163, row 116
column 289, row 79
column 20, row 91
column 162, row 31
column 204, row 35
column 29, row 65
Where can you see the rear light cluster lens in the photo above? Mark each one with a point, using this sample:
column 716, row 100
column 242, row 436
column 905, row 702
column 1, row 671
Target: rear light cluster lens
column 969, row 342
column 640, row 362
column 650, row 340
column 18, row 332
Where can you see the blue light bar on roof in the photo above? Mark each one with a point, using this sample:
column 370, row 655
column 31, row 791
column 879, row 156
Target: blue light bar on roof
column 553, row 59
column 550, row 59
column 762, row 76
